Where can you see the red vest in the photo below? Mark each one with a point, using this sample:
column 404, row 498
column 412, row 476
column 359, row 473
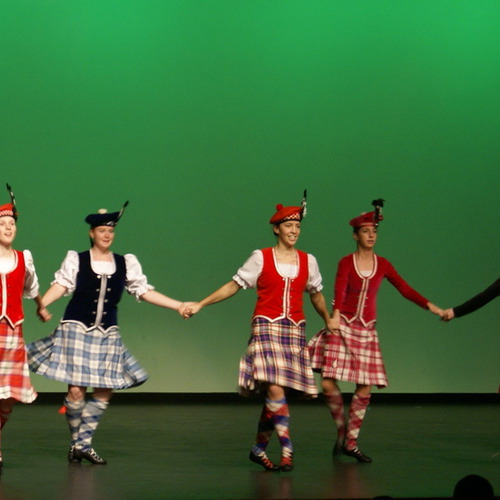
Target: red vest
column 11, row 292
column 279, row 297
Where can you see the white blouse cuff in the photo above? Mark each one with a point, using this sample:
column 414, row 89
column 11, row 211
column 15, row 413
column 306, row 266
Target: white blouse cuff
column 241, row 282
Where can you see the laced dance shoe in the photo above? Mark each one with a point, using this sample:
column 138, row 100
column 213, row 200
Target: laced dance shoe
column 357, row 454
column 286, row 464
column 72, row 458
column 264, row 461
column 89, row 455
column 337, row 449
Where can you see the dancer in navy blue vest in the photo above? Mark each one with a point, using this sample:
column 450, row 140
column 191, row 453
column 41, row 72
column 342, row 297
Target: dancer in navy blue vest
column 86, row 349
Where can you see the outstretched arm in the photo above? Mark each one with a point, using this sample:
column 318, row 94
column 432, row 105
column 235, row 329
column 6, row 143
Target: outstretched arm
column 474, row 303
column 158, row 299
column 435, row 309
column 41, row 310
column 55, row 292
column 318, row 301
column 410, row 293
column 224, row 292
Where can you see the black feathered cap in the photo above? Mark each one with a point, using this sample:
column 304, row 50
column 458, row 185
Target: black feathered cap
column 103, row 218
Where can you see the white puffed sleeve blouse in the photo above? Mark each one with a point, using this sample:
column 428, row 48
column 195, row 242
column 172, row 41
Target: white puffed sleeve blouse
column 248, row 274
column 136, row 282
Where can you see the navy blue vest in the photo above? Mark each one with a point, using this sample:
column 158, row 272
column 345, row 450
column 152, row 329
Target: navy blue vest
column 95, row 299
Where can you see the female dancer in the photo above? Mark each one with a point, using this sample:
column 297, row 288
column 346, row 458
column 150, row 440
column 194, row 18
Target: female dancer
column 276, row 359
column 352, row 353
column 86, row 349
column 18, row 280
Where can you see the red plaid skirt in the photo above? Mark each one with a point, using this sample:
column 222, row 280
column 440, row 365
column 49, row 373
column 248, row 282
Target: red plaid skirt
column 277, row 354
column 353, row 355
column 14, row 373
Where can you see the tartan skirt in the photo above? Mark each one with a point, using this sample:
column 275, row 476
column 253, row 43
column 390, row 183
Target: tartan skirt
column 14, row 373
column 87, row 358
column 277, row 354
column 352, row 355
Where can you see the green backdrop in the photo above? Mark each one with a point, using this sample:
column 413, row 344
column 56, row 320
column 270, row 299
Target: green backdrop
column 205, row 114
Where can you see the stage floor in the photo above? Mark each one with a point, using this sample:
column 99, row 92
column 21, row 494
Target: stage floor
column 200, row 451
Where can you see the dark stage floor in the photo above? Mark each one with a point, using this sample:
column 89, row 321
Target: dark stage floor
column 199, row 451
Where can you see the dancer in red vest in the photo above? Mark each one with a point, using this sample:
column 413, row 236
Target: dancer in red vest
column 18, row 280
column 352, row 353
column 276, row 359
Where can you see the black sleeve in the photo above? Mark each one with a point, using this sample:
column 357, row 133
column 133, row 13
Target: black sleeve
column 479, row 300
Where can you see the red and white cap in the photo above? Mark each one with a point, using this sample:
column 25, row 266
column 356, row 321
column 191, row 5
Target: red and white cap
column 369, row 218
column 9, row 209
column 289, row 213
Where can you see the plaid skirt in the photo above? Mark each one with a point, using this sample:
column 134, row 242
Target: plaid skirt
column 14, row 373
column 277, row 354
column 85, row 358
column 353, row 355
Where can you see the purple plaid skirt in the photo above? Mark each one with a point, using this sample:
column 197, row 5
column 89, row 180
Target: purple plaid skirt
column 87, row 358
column 277, row 354
column 353, row 355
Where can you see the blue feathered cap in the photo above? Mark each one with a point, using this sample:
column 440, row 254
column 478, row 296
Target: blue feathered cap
column 103, row 218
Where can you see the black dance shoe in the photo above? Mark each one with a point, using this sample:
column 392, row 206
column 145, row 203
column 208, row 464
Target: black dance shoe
column 286, row 464
column 264, row 461
column 72, row 458
column 89, row 455
column 337, row 449
column 357, row 454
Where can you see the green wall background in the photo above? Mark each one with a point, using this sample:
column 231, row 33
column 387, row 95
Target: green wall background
column 205, row 114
